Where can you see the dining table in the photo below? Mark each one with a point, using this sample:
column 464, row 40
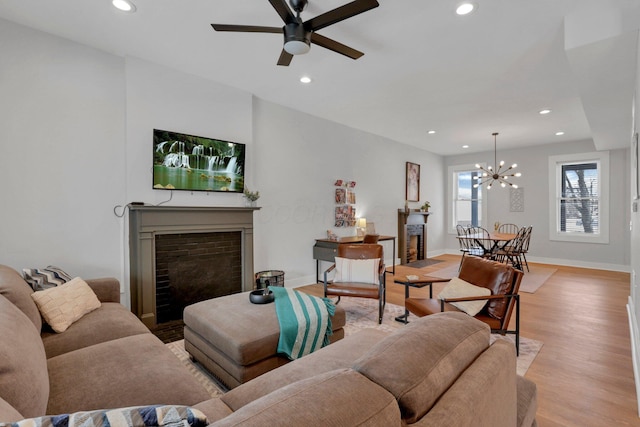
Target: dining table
column 499, row 240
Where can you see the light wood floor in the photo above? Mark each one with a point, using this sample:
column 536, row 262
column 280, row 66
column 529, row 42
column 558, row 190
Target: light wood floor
column 583, row 372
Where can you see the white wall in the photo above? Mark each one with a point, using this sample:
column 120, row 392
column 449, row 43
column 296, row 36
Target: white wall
column 77, row 128
column 533, row 164
column 298, row 159
column 62, row 139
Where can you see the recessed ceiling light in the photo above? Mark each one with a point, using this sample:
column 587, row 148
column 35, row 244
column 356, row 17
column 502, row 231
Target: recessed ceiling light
column 305, row 79
column 431, row 132
column 545, row 111
column 559, row 133
column 465, row 146
column 124, row 5
column 465, row 8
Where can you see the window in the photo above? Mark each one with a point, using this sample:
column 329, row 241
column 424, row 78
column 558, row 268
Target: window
column 578, row 196
column 467, row 206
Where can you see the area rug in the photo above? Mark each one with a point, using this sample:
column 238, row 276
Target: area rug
column 531, row 281
column 361, row 313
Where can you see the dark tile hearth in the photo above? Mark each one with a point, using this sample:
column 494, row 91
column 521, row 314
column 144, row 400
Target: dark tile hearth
column 169, row 331
column 422, row 263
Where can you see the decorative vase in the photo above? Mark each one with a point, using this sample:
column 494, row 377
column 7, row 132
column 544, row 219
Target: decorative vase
column 250, row 203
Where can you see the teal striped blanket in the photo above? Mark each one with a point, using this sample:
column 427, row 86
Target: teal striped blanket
column 305, row 321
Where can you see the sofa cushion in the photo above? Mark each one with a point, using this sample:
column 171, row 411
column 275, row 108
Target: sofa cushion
column 135, row 370
column 495, row 276
column 44, row 278
column 423, row 359
column 8, row 413
column 62, row 305
column 15, row 289
column 135, row 416
column 483, row 395
column 340, row 354
column 91, row 329
column 458, row 288
column 24, row 382
column 336, row 398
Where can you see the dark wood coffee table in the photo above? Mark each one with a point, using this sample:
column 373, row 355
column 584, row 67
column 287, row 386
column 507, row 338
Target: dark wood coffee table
column 421, row 282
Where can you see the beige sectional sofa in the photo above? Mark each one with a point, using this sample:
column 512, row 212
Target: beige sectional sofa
column 439, row 371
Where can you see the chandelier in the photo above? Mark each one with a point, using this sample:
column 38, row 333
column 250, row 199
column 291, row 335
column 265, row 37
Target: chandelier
column 489, row 176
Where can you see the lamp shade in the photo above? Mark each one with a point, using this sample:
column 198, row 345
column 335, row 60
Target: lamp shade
column 362, row 222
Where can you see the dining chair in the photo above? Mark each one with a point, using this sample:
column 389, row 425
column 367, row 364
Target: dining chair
column 512, row 252
column 525, row 246
column 481, row 244
column 359, row 272
column 508, row 228
column 464, row 243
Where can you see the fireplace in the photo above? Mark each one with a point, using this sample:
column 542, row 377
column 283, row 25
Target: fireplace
column 182, row 255
column 193, row 267
column 412, row 235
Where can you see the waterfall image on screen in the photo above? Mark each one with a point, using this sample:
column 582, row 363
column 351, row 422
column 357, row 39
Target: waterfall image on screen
column 195, row 163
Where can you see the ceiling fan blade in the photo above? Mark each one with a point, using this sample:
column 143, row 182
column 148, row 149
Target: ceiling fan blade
column 335, row 46
column 285, row 58
column 339, row 14
column 283, row 10
column 246, row 28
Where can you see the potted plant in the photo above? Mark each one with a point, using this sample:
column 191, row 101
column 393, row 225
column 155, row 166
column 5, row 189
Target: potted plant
column 251, row 197
column 425, row 206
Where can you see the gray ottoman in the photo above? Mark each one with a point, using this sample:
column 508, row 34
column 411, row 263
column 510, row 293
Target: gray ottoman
column 237, row 340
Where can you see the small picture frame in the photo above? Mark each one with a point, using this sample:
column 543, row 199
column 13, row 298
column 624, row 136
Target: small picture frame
column 412, row 193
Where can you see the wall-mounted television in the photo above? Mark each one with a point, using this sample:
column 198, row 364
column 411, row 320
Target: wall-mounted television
column 196, row 163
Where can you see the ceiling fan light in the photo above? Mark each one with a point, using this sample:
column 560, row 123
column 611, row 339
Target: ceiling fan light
column 296, row 47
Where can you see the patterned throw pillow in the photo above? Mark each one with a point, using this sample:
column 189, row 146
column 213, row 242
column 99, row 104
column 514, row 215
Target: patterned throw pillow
column 135, row 416
column 65, row 304
column 45, row 278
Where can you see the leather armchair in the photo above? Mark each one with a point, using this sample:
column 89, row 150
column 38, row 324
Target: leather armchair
column 375, row 290
column 504, row 282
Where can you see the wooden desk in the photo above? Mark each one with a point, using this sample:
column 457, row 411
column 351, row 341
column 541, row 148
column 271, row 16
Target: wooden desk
column 327, row 250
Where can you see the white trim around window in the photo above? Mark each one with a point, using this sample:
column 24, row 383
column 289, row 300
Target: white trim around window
column 452, row 172
column 555, row 186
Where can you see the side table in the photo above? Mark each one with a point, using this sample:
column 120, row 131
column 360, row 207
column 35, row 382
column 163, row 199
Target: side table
column 419, row 283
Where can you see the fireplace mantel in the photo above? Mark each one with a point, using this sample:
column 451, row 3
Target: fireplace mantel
column 410, row 217
column 145, row 222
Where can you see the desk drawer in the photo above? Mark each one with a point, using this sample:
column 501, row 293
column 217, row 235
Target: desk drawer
column 325, row 254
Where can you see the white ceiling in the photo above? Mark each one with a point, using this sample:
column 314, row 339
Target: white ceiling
column 424, row 67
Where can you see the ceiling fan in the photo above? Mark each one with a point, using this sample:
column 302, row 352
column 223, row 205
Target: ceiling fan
column 299, row 35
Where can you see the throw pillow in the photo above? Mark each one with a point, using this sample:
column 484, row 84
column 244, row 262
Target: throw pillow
column 136, row 416
column 356, row 270
column 65, row 304
column 458, row 288
column 45, row 278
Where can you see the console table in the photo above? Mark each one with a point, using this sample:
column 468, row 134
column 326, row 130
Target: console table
column 326, row 249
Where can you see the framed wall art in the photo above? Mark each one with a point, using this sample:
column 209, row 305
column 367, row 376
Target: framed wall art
column 413, row 182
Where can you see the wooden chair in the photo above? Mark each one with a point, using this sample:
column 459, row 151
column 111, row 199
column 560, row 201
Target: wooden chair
column 501, row 279
column 508, row 228
column 465, row 244
column 370, row 238
column 375, row 288
column 525, row 246
column 513, row 252
column 482, row 245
